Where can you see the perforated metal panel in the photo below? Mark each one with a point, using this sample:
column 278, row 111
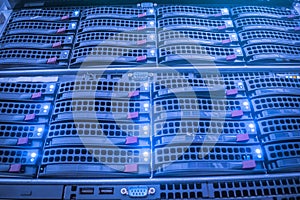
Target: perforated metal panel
column 44, row 15
column 266, row 23
column 21, row 130
column 182, row 10
column 204, row 108
column 214, row 76
column 273, row 86
column 27, row 91
column 114, row 39
column 36, row 41
column 106, row 110
column 198, row 86
column 197, row 37
column 99, row 129
column 17, row 162
column 283, row 156
column 115, row 25
column 205, row 160
column 198, row 54
column 272, row 53
column 269, row 36
column 276, row 106
column 45, row 28
column 279, row 188
column 104, row 55
column 194, row 23
column 104, row 89
column 250, row 11
column 182, row 191
column 33, row 57
column 24, row 112
column 209, row 131
column 94, row 162
column 117, row 12
column 21, row 136
column 98, row 134
column 280, row 129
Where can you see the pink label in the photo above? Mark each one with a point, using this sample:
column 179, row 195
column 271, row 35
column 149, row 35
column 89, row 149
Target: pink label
column 23, row 140
column 237, row 113
column 140, row 42
column 134, row 93
column 29, row 117
column 56, row 45
column 249, row 164
column 132, row 115
column 15, row 168
column 231, row 57
column 291, row 16
column 66, row 17
column 141, row 28
column 142, row 15
column 141, row 58
column 218, row 15
column 242, row 137
column 231, row 92
column 222, row 27
column 61, row 30
column 131, row 168
column 227, row 41
column 36, row 95
column 131, row 140
column 52, row 60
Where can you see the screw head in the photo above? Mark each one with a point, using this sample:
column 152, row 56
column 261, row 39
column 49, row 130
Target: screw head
column 151, row 190
column 123, row 191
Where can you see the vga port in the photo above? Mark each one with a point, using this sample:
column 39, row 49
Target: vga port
column 137, row 191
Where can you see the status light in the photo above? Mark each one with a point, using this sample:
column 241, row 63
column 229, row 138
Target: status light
column 258, row 151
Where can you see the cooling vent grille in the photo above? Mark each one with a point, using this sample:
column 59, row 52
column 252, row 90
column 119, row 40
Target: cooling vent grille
column 175, row 127
column 256, row 188
column 195, row 50
column 113, row 11
column 188, row 9
column 89, row 155
column 28, row 27
column 189, row 21
column 261, row 9
column 110, row 36
column 41, row 13
column 261, row 83
column 244, row 22
column 109, row 51
column 281, row 102
column 112, row 22
column 14, row 156
column 169, row 105
column 280, row 151
column 190, row 36
column 181, row 191
column 97, row 106
column 192, row 82
column 268, row 34
column 94, row 129
column 101, row 85
column 279, row 125
column 20, row 108
column 23, row 87
column 203, row 153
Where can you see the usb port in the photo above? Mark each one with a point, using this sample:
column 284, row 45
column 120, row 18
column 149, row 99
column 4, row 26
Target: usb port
column 106, row 190
column 86, row 190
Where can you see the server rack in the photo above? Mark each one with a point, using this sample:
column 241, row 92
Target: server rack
column 150, row 102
